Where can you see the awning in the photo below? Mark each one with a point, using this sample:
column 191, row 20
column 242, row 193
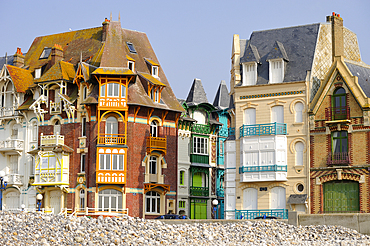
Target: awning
column 151, row 79
column 151, row 62
column 297, row 199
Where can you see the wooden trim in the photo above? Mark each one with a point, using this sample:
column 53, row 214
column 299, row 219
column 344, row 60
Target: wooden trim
column 164, row 114
column 136, row 111
column 177, row 118
column 150, row 187
column 150, row 112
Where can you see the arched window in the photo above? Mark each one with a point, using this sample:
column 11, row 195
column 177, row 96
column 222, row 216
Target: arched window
column 154, row 129
column 339, row 104
column 82, row 198
column 298, row 108
column 277, row 114
column 153, row 202
column 110, row 200
column 34, row 132
column 56, row 127
column 299, row 147
column 153, row 165
column 84, row 92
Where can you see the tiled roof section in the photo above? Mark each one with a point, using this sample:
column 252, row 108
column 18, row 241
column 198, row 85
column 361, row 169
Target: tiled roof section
column 21, row 78
column 60, row 70
column 250, row 55
column 73, row 94
column 113, row 71
column 152, row 63
column 277, row 52
column 151, row 79
column 114, row 53
column 299, row 44
column 196, row 94
column 129, row 58
column 363, row 74
column 7, row 60
column 222, row 97
column 27, row 103
column 92, row 98
column 87, row 41
column 87, row 69
column 231, row 102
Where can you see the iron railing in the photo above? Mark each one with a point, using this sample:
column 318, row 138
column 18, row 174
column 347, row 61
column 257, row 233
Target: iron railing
column 199, row 191
column 340, row 158
column 224, row 131
column 252, row 214
column 269, row 168
column 231, row 131
column 337, row 113
column 263, row 129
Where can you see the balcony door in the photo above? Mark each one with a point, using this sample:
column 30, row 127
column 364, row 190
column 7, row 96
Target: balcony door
column 154, row 129
column 339, row 104
column 250, row 116
column 250, row 199
column 277, row 114
column 278, row 198
column 111, row 130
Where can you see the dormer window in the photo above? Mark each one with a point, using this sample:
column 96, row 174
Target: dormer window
column 276, row 71
column 155, row 95
column 131, row 65
column 45, row 53
column 155, row 71
column 131, row 47
column 84, row 92
column 249, row 73
column 37, row 73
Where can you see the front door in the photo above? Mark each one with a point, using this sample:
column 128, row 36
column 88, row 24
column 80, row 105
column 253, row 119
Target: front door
column 12, row 200
column 55, row 198
column 198, row 209
column 341, row 196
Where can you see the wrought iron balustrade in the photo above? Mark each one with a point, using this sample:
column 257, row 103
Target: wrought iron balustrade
column 199, row 191
column 263, row 129
column 337, row 113
column 231, row 131
column 269, row 168
column 340, row 158
column 252, row 214
column 223, row 132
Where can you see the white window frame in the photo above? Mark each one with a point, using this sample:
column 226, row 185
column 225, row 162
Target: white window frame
column 37, row 73
column 249, row 73
column 132, row 65
column 155, row 71
column 152, row 198
column 83, row 126
column 276, row 71
column 102, row 90
column 115, row 89
column 105, row 162
column 82, row 198
column 153, row 165
column 123, row 91
column 112, row 162
column 83, row 163
column 299, row 153
column 298, row 113
column 34, row 131
column 154, row 128
column 200, row 146
column 109, row 194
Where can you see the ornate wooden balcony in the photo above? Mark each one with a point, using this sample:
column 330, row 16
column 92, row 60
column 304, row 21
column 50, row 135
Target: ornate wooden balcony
column 11, row 145
column 199, row 158
column 337, row 113
column 51, row 140
column 112, row 139
column 156, row 143
column 340, row 159
column 263, row 129
column 9, row 112
column 200, row 128
column 111, row 177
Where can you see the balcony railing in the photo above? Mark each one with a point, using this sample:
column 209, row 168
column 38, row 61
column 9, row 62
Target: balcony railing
column 156, row 143
column 8, row 111
column 223, row 132
column 231, row 131
column 199, row 158
column 200, row 128
column 269, row 168
column 252, row 214
column 110, row 177
column 199, row 191
column 112, row 139
column 341, row 158
column 220, row 192
column 263, row 129
column 51, row 140
column 14, row 179
column 11, row 144
column 337, row 113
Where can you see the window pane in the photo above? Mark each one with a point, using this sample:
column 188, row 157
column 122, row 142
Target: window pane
column 119, row 198
column 158, row 205
column 100, row 202
column 107, row 162
column 115, row 89
column 110, row 90
column 147, row 204
column 115, row 162
column 106, row 203
column 123, row 91
column 113, row 203
column 101, row 161
column 121, row 162
column 153, row 205
column 102, row 91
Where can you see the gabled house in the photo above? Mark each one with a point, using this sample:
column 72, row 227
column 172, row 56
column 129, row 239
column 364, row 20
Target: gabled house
column 273, row 78
column 107, row 116
column 340, row 129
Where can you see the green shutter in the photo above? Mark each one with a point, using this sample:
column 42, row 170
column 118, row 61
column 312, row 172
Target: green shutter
column 341, row 195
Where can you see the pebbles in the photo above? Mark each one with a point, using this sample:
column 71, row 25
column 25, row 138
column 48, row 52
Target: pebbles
column 42, row 229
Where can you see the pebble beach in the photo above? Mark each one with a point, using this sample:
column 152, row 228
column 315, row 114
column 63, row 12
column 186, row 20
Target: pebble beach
column 43, row 229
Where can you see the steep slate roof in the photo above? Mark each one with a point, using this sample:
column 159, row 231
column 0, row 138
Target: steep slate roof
column 222, row 98
column 60, row 70
column 251, row 55
column 363, row 74
column 297, row 43
column 277, row 51
column 21, row 78
column 196, row 94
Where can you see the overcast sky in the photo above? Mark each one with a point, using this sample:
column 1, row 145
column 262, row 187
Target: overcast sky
column 192, row 39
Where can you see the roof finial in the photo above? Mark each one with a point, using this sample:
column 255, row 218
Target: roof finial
column 110, row 16
column 6, row 58
column 119, row 17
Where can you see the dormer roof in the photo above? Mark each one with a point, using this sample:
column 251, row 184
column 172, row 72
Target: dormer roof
column 59, row 71
column 277, row 52
column 21, row 78
column 250, row 55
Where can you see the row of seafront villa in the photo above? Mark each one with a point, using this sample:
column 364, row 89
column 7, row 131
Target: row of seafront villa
column 89, row 120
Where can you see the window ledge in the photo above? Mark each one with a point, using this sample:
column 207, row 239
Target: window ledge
column 298, row 124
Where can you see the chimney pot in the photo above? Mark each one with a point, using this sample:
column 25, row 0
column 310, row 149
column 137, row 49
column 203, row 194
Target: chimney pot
column 18, row 58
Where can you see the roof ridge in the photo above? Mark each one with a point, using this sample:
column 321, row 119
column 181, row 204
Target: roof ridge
column 361, row 63
column 288, row 27
column 68, row 32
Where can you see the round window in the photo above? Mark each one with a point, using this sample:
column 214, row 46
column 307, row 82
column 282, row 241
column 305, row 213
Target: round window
column 300, row 187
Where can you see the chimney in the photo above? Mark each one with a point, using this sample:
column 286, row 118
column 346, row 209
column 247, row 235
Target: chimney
column 105, row 29
column 57, row 54
column 18, row 58
column 336, row 34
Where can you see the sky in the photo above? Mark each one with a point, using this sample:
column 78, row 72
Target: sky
column 192, row 39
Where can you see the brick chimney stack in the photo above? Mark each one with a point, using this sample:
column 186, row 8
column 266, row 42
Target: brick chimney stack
column 105, row 29
column 18, row 58
column 57, row 54
column 336, row 34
